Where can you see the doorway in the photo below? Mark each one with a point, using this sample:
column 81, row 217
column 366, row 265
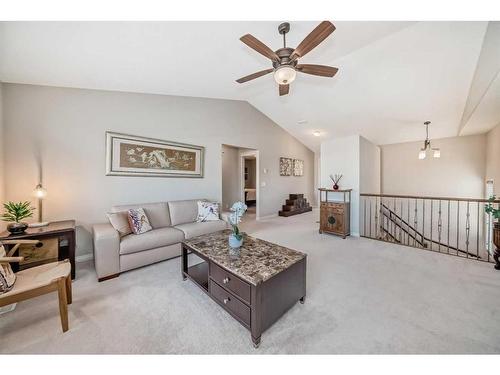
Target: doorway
column 240, row 179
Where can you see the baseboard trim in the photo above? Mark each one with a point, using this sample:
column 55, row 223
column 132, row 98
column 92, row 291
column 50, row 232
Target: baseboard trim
column 355, row 234
column 267, row 217
column 84, row 258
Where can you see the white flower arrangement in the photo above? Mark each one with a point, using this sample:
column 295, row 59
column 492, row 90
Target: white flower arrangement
column 238, row 209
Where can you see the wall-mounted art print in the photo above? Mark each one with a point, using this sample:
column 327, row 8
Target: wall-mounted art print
column 129, row 155
column 298, row 167
column 286, row 166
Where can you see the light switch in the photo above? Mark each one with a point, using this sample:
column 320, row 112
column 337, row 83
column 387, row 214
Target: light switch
column 265, row 170
column 263, row 184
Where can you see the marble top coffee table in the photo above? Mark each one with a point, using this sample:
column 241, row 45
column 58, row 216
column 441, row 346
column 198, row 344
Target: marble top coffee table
column 256, row 287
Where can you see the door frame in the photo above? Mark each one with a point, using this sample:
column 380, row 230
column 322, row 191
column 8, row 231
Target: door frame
column 243, row 154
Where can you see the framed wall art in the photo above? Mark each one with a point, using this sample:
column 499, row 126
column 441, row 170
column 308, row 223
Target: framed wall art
column 298, row 167
column 129, row 155
column 286, row 166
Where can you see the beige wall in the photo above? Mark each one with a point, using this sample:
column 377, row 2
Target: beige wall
column 460, row 172
column 493, row 158
column 231, row 189
column 65, row 129
column 369, row 167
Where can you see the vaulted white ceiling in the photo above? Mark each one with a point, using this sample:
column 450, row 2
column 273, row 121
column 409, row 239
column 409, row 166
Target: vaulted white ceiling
column 392, row 75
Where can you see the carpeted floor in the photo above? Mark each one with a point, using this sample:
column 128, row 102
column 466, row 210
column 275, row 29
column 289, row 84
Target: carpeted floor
column 363, row 296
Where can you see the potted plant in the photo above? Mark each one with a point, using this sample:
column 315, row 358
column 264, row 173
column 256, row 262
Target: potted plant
column 236, row 238
column 495, row 213
column 14, row 213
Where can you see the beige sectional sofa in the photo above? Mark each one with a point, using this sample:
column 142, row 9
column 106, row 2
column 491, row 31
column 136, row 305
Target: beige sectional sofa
column 172, row 222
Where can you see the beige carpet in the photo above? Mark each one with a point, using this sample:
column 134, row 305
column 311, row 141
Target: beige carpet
column 363, row 296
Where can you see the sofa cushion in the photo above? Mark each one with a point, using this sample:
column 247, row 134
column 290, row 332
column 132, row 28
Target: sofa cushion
column 182, row 212
column 157, row 213
column 197, row 229
column 151, row 240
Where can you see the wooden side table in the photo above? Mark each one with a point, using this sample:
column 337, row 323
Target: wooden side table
column 63, row 232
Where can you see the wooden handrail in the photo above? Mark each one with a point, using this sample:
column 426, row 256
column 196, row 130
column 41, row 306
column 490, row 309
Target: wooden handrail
column 430, row 198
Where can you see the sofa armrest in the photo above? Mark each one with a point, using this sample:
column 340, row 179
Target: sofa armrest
column 106, row 250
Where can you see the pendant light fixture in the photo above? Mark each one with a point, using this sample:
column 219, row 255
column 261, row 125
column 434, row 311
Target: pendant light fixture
column 436, row 152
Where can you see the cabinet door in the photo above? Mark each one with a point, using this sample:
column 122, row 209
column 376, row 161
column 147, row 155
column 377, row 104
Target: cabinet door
column 332, row 220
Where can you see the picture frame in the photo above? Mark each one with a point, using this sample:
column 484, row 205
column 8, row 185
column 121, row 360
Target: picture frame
column 131, row 155
column 298, row 167
column 286, row 166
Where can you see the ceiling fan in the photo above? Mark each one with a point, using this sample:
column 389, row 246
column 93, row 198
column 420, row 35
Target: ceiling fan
column 285, row 60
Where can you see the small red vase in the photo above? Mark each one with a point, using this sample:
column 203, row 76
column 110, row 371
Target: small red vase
column 335, row 187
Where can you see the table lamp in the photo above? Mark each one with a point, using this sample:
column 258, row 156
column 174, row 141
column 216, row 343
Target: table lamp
column 39, row 193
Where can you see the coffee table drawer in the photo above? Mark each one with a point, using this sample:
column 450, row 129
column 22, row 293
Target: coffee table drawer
column 230, row 282
column 230, row 302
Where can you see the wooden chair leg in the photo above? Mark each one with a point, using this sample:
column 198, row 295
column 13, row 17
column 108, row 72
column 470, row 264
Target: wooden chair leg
column 69, row 290
column 63, row 303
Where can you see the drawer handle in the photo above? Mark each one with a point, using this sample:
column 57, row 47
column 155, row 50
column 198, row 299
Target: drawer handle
column 226, row 300
column 226, row 280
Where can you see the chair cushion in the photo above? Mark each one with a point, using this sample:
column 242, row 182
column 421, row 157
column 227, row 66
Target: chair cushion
column 157, row 213
column 182, row 212
column 197, row 229
column 151, row 240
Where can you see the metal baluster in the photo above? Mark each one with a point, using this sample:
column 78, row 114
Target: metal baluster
column 423, row 222
column 415, row 222
column 477, row 231
column 440, row 226
column 370, row 218
column 432, row 216
column 408, row 221
column 458, row 222
column 400, row 221
column 376, row 218
column 364, row 218
column 448, row 225
column 467, row 230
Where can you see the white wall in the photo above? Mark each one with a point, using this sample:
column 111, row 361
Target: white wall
column 230, row 176
column 342, row 156
column 493, row 158
column 65, row 129
column 369, row 167
column 460, row 172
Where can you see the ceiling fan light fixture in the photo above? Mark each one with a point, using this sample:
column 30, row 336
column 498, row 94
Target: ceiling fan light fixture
column 285, row 75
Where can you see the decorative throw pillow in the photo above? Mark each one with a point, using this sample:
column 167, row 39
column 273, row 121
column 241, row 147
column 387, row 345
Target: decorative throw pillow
column 207, row 211
column 138, row 221
column 119, row 221
column 7, row 277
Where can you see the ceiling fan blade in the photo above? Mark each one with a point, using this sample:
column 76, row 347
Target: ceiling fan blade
column 260, row 47
column 320, row 33
column 254, row 75
column 317, row 70
column 284, row 89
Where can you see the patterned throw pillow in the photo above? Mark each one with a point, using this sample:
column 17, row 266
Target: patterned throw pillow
column 207, row 211
column 119, row 221
column 7, row 277
column 138, row 221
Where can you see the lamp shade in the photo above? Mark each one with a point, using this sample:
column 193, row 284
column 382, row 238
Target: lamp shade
column 437, row 153
column 284, row 75
column 40, row 192
column 422, row 154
